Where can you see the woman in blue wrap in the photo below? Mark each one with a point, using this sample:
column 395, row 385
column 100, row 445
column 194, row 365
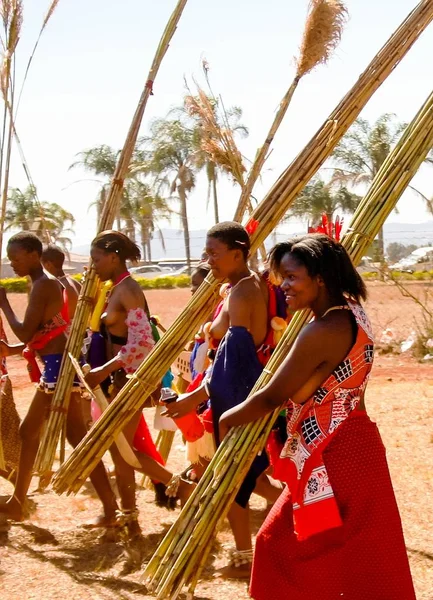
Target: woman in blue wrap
column 241, row 328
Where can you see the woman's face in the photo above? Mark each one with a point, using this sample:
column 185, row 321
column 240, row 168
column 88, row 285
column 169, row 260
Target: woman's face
column 221, row 259
column 196, row 281
column 300, row 289
column 104, row 263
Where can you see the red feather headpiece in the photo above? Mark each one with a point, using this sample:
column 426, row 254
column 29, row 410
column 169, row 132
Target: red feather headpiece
column 333, row 230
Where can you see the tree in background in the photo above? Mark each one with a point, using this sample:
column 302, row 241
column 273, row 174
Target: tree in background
column 100, row 161
column 170, row 153
column 318, row 198
column 48, row 220
column 148, row 208
column 212, row 121
column 137, row 209
column 396, row 251
column 362, row 152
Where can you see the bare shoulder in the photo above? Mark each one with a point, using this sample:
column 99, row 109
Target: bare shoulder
column 248, row 288
column 74, row 283
column 46, row 285
column 328, row 334
column 130, row 294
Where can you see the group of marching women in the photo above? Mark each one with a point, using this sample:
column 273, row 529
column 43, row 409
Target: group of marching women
column 334, row 529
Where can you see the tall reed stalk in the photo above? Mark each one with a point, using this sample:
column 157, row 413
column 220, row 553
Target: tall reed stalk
column 179, row 558
column 86, row 455
column 12, row 17
column 322, row 34
column 59, row 406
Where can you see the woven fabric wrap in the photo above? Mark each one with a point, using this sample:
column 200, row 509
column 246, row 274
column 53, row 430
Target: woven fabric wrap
column 9, row 426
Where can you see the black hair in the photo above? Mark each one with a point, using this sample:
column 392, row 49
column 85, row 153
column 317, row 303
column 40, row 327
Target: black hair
column 233, row 235
column 114, row 241
column 321, row 255
column 28, row 242
column 202, row 269
column 54, row 254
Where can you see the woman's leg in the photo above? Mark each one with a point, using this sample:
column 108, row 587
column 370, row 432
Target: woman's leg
column 125, row 475
column 30, row 431
column 268, row 488
column 75, row 431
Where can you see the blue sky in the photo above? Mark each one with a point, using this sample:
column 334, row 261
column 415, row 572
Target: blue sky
column 95, row 54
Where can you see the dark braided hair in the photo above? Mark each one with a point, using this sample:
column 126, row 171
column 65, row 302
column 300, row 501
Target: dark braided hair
column 119, row 243
column 321, row 255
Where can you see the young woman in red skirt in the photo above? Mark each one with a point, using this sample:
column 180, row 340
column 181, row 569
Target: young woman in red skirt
column 335, row 532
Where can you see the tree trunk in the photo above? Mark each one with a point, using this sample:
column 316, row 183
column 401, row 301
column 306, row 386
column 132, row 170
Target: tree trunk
column 215, row 200
column 130, row 229
column 381, row 245
column 381, row 249
column 149, row 250
column 100, row 203
column 144, row 243
column 184, row 217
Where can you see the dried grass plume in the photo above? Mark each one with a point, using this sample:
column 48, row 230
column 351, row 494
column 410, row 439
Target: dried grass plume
column 216, row 141
column 322, row 34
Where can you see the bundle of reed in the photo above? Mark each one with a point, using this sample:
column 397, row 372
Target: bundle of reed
column 59, row 407
column 179, row 558
column 322, row 34
column 86, row 455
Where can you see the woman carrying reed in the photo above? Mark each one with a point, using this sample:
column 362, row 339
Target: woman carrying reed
column 127, row 340
column 335, row 532
column 239, row 331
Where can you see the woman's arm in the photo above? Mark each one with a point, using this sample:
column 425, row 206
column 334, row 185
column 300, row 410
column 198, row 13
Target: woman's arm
column 10, row 349
column 40, row 296
column 307, row 354
column 186, row 403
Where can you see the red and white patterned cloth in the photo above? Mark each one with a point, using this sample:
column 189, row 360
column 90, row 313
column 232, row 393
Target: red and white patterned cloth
column 312, row 425
column 335, row 532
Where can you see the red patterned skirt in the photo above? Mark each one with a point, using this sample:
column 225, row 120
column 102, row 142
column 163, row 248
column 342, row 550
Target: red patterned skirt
column 366, row 558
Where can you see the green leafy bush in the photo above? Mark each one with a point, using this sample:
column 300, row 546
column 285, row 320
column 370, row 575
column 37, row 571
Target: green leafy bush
column 15, row 284
column 168, row 282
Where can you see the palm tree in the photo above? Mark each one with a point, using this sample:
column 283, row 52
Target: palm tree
column 171, row 156
column 101, row 161
column 362, row 152
column 318, row 198
column 148, row 208
column 48, row 220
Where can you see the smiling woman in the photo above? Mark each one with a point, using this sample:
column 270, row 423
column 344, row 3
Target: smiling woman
column 336, row 528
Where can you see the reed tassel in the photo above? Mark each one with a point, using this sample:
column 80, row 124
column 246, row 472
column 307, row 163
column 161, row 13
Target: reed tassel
column 61, row 397
column 167, row 572
column 322, row 34
column 86, row 455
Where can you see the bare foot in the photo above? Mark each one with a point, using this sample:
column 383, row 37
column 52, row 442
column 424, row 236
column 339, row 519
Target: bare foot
column 102, row 522
column 12, row 510
column 232, row 572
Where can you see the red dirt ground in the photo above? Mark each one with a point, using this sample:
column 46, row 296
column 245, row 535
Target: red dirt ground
column 52, row 557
